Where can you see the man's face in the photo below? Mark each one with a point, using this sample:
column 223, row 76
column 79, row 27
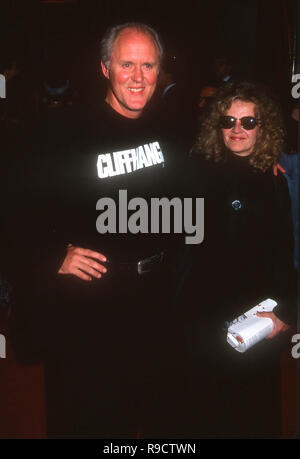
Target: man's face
column 205, row 93
column 133, row 72
column 222, row 68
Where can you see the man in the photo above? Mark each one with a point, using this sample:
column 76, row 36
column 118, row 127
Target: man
column 105, row 327
column 206, row 93
column 222, row 69
column 130, row 61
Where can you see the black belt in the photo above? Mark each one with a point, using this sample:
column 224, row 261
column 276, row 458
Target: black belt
column 142, row 266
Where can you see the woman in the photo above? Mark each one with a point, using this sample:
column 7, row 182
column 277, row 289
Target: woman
column 246, row 258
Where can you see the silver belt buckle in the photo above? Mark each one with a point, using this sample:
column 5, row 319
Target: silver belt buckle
column 145, row 265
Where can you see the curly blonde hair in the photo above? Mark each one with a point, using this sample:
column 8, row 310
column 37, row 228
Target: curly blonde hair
column 269, row 143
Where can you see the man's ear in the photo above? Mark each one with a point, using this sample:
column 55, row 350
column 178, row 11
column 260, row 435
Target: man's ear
column 105, row 70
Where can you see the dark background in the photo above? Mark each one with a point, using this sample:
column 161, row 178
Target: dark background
column 63, row 37
column 257, row 34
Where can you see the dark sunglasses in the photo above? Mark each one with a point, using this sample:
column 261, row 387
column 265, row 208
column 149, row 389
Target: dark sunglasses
column 247, row 122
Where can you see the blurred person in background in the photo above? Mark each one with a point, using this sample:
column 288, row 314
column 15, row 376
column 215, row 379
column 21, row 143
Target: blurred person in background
column 290, row 162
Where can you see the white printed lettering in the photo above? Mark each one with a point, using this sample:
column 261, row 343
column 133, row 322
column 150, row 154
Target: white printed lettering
column 127, row 161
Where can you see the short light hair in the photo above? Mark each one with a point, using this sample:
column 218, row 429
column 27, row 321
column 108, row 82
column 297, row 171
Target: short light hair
column 110, row 36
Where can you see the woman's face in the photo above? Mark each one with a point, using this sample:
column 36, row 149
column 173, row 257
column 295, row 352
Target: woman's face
column 237, row 139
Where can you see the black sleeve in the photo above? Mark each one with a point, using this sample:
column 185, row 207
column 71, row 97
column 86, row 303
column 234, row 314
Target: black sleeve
column 285, row 276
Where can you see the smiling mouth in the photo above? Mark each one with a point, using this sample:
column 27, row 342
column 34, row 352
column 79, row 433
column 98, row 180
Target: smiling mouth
column 135, row 90
column 237, row 139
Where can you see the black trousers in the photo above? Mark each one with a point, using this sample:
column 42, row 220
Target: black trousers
column 114, row 358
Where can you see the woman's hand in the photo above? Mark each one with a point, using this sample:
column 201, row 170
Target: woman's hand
column 279, row 326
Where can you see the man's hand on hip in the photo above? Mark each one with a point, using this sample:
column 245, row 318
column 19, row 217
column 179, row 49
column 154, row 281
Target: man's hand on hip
column 83, row 263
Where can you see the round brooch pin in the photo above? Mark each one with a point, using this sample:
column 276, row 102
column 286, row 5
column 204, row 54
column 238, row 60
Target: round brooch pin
column 236, row 204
